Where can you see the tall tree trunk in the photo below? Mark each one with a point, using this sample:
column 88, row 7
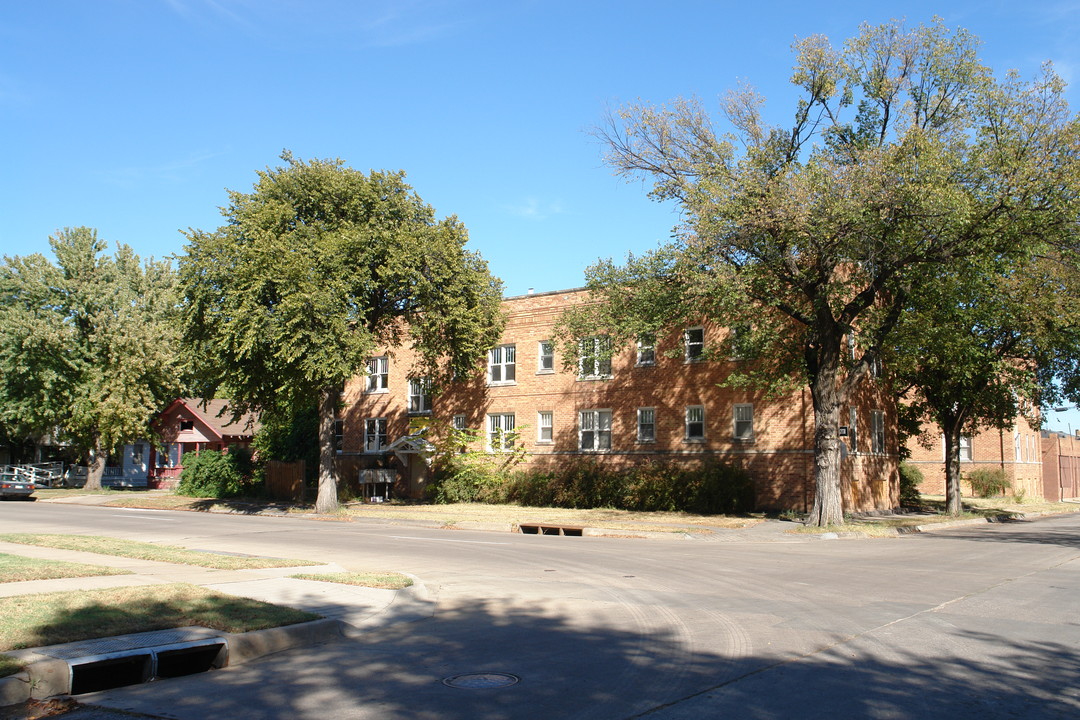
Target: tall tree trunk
column 828, row 506
column 327, row 500
column 951, row 429
column 95, row 466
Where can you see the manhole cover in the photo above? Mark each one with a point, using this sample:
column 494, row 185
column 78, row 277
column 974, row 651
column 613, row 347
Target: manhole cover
column 478, row 681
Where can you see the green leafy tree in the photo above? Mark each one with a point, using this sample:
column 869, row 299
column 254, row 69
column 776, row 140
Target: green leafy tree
column 88, row 346
column 905, row 153
column 315, row 269
column 985, row 343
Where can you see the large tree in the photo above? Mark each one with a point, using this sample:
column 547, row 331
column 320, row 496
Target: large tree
column 88, row 345
column 989, row 341
column 905, row 153
column 315, row 269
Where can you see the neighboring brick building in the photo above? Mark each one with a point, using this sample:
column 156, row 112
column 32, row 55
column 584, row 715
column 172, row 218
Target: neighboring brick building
column 1060, row 465
column 658, row 401
column 1018, row 452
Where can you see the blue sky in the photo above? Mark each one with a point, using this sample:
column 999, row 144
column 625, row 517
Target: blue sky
column 134, row 116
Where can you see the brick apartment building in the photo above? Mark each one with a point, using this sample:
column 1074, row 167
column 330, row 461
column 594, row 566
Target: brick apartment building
column 659, row 401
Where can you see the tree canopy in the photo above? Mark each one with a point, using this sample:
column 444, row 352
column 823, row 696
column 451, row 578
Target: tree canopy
column 987, row 342
column 905, row 153
column 314, row 269
column 88, row 346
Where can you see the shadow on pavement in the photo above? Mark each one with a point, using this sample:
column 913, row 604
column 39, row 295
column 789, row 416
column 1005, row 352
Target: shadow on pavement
column 584, row 666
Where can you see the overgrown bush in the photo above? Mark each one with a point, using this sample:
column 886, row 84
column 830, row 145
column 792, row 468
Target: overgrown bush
column 986, row 482
column 214, row 474
column 910, row 479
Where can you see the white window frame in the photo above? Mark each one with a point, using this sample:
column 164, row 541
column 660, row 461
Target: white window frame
column 877, row 432
column 458, row 422
column 375, row 438
column 964, row 451
column 694, row 415
column 742, row 414
column 378, row 378
column 694, row 349
column 339, row 434
column 502, row 365
column 545, row 357
column 646, row 425
column 499, row 426
column 419, row 396
column 545, row 427
column 595, row 425
column 646, row 350
column 591, row 363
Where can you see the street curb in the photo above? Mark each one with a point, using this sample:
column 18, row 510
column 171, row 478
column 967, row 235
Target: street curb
column 46, row 677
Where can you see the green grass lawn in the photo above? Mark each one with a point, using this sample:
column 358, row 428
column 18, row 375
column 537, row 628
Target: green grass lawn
column 53, row 618
column 150, row 551
column 15, row 568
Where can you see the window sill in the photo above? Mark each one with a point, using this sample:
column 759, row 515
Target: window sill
column 694, row 441
column 592, row 378
column 383, row 391
column 419, row 413
column 639, row 441
column 545, row 372
column 545, row 442
column 645, row 364
column 504, row 383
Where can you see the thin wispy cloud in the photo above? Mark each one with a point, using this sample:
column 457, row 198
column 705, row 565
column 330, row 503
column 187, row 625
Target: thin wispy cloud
column 535, row 209
column 174, row 171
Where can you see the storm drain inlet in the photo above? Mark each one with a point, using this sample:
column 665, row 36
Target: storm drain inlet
column 115, row 669
column 481, row 681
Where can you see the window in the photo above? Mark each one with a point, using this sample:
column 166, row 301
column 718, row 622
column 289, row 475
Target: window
column 502, row 365
column 738, row 337
column 594, row 358
column 646, row 424
column 500, row 435
column 646, row 350
column 877, row 432
column 695, row 422
column 186, row 425
column 374, row 435
column 378, row 369
column 853, row 431
column 545, row 357
column 695, row 344
column 965, row 448
column 743, row 421
column 544, row 424
column 594, row 430
column 458, row 422
column 137, row 454
column 339, row 434
column 169, row 456
column 1016, row 444
column 419, row 396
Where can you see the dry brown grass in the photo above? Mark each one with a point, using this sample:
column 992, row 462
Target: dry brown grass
column 383, row 581
column 15, row 568
column 150, row 551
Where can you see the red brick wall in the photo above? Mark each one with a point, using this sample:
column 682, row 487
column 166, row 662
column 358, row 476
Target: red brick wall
column 780, row 456
column 1061, row 466
column 1018, row 452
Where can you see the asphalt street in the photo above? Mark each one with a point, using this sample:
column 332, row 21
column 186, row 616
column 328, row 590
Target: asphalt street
column 975, row 622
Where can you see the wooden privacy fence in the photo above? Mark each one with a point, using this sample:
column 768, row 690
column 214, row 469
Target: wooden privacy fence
column 285, row 480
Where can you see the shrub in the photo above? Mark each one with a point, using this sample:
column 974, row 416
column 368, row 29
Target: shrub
column 910, row 479
column 213, row 474
column 709, row 489
column 986, row 482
